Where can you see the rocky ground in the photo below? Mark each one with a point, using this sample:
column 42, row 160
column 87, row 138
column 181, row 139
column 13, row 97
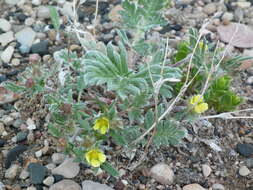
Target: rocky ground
column 216, row 155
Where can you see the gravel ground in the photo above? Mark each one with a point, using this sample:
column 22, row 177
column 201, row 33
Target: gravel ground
column 216, row 155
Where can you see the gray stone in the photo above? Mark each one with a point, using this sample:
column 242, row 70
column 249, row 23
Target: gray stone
column 49, row 181
column 7, row 54
column 68, row 169
column 37, row 173
column 243, row 4
column 17, row 123
column 11, row 173
column 218, row 186
column 58, row 158
column 26, row 36
column 227, row 16
column 21, row 136
column 5, row 25
column 90, row 185
column 31, row 188
column 67, row 9
column 249, row 80
column 2, row 186
column 6, row 38
column 206, row 170
column 38, row 153
column 162, row 173
column 36, row 2
column 12, row 2
column 193, row 186
column 13, row 154
column 24, row 174
column 249, row 163
column 244, row 171
column 238, row 35
column 7, row 120
column 65, row 185
column 43, row 12
column 210, row 8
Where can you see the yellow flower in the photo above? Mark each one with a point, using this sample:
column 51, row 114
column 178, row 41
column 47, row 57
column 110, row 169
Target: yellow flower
column 199, row 106
column 95, row 157
column 202, row 45
column 102, row 125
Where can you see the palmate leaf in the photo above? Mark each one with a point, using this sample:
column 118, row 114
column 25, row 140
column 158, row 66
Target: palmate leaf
column 143, row 14
column 168, row 133
column 112, row 69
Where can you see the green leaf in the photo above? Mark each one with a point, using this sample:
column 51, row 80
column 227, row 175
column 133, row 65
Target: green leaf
column 110, row 169
column 118, row 138
column 15, row 88
column 112, row 70
column 168, row 133
column 182, row 51
column 55, row 19
column 54, row 131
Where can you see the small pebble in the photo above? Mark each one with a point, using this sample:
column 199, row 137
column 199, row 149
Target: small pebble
column 15, row 62
column 49, row 181
column 11, row 173
column 24, row 174
column 206, row 170
column 244, row 171
column 218, row 186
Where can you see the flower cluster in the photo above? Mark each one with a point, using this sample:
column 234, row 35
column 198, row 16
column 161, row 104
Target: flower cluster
column 198, row 105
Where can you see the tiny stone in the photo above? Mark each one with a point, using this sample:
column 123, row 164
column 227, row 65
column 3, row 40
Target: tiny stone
column 69, row 168
column 17, row 123
column 243, row 4
column 249, row 163
column 227, row 16
column 36, row 2
column 21, row 136
column 90, row 185
column 15, row 62
column 24, row 174
column 43, row 12
column 50, row 166
column 7, row 54
column 218, row 186
column 5, row 25
column 244, row 171
column 40, row 48
column 2, row 186
column 31, row 188
column 210, row 8
column 58, row 158
column 7, row 120
column 12, row 171
column 38, row 154
column 2, row 142
column 193, row 186
column 245, row 149
column 49, row 181
column 162, row 173
column 206, row 170
column 26, row 36
column 249, row 81
column 37, row 173
column 29, row 21
column 65, row 185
